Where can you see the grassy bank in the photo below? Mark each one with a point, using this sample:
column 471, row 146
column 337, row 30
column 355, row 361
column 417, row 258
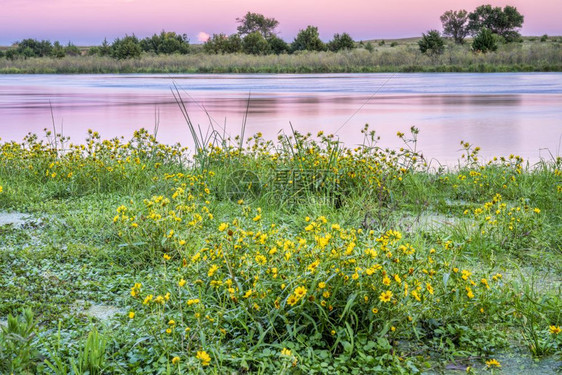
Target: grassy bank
column 299, row 256
column 400, row 56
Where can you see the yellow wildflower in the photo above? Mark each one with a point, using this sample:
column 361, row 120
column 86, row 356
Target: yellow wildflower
column 286, row 352
column 493, row 363
column 203, row 357
column 212, row 270
column 147, row 299
column 385, row 296
column 429, row 288
column 300, row 291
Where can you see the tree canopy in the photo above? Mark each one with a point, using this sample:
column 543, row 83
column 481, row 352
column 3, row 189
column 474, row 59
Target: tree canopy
column 126, row 48
column 167, row 42
column 309, row 40
column 221, row 43
column 255, row 44
column 340, row 42
column 503, row 22
column 454, row 24
column 255, row 22
column 432, row 43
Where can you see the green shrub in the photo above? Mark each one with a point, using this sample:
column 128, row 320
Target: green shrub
column 340, row 42
column 432, row 43
column 34, row 48
column 308, row 40
column 166, row 43
column 255, row 44
column 58, row 51
column 126, row 48
column 220, row 44
column 278, row 45
column 72, row 50
column 485, row 41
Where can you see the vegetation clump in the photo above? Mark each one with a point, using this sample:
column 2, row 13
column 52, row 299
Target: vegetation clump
column 295, row 255
column 485, row 41
column 432, row 43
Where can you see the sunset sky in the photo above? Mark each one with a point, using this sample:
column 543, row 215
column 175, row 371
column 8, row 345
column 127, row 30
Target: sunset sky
column 87, row 22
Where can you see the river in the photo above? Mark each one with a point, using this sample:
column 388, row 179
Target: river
column 503, row 113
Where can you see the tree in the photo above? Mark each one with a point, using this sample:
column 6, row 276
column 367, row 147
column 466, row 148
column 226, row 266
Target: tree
column 126, row 48
column 501, row 22
column 58, row 50
column 255, row 44
column 341, row 41
column 454, row 24
column 255, row 22
column 215, row 44
column 308, row 40
column 34, row 48
column 11, row 54
column 432, row 43
column 72, row 50
column 220, row 43
column 166, row 43
column 484, row 41
column 278, row 45
column 105, row 48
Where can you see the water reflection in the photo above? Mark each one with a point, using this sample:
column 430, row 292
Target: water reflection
column 503, row 114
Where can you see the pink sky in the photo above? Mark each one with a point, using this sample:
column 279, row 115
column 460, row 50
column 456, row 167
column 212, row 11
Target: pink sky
column 88, row 21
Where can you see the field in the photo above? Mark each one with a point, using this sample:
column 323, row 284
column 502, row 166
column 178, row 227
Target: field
column 298, row 256
column 400, row 55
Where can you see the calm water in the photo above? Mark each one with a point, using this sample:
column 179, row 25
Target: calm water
column 518, row 113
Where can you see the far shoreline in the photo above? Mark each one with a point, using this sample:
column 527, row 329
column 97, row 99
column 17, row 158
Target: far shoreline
column 400, row 56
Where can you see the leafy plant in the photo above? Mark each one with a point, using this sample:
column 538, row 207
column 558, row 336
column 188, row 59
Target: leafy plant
column 91, row 360
column 17, row 353
column 484, row 41
column 432, row 43
column 308, row 40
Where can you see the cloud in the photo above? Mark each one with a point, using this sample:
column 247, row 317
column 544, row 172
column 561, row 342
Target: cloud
column 203, row 36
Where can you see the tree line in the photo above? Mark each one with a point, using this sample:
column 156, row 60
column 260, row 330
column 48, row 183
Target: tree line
column 40, row 48
column 256, row 35
column 489, row 26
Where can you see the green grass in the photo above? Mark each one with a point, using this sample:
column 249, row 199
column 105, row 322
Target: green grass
column 530, row 55
column 295, row 256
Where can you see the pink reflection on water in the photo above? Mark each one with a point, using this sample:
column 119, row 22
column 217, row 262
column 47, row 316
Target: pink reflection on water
column 500, row 124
